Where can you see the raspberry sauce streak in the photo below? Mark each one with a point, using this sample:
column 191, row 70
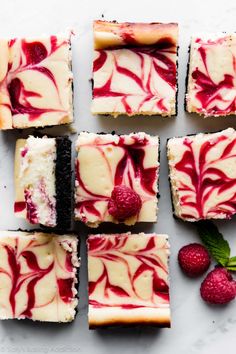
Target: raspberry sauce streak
column 212, row 191
column 19, row 207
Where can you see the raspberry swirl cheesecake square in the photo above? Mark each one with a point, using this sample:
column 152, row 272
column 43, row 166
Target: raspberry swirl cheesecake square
column 212, row 76
column 128, row 280
column 203, row 175
column 135, row 68
column 35, row 82
column 38, row 276
column 116, row 178
column 43, row 187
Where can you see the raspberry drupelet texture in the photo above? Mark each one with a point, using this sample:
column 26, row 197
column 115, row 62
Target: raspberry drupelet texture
column 218, row 287
column 124, row 203
column 194, row 259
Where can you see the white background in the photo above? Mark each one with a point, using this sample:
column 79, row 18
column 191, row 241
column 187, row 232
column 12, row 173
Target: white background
column 196, row 327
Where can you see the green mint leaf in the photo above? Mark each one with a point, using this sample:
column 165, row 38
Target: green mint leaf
column 231, row 262
column 214, row 241
column 232, row 269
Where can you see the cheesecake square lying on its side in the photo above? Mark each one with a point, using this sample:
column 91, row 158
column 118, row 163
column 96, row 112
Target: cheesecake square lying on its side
column 38, row 276
column 135, row 68
column 43, row 189
column 211, row 87
column 203, row 175
column 128, row 280
column 35, row 82
column 116, row 178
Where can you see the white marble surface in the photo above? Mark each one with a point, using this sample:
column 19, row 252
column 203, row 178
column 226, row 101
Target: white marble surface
column 196, row 327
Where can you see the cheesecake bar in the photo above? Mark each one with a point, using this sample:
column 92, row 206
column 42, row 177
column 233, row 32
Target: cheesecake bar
column 35, row 82
column 135, row 68
column 203, row 175
column 211, row 87
column 116, row 178
column 38, row 276
column 43, row 188
column 128, row 280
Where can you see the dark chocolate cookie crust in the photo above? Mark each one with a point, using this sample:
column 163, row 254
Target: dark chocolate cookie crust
column 63, row 183
column 186, row 80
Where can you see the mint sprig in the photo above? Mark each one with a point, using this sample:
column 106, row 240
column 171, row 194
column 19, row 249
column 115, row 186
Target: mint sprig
column 231, row 265
column 217, row 246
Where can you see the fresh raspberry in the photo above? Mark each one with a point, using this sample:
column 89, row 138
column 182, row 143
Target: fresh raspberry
column 218, row 287
column 194, row 259
column 124, row 203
